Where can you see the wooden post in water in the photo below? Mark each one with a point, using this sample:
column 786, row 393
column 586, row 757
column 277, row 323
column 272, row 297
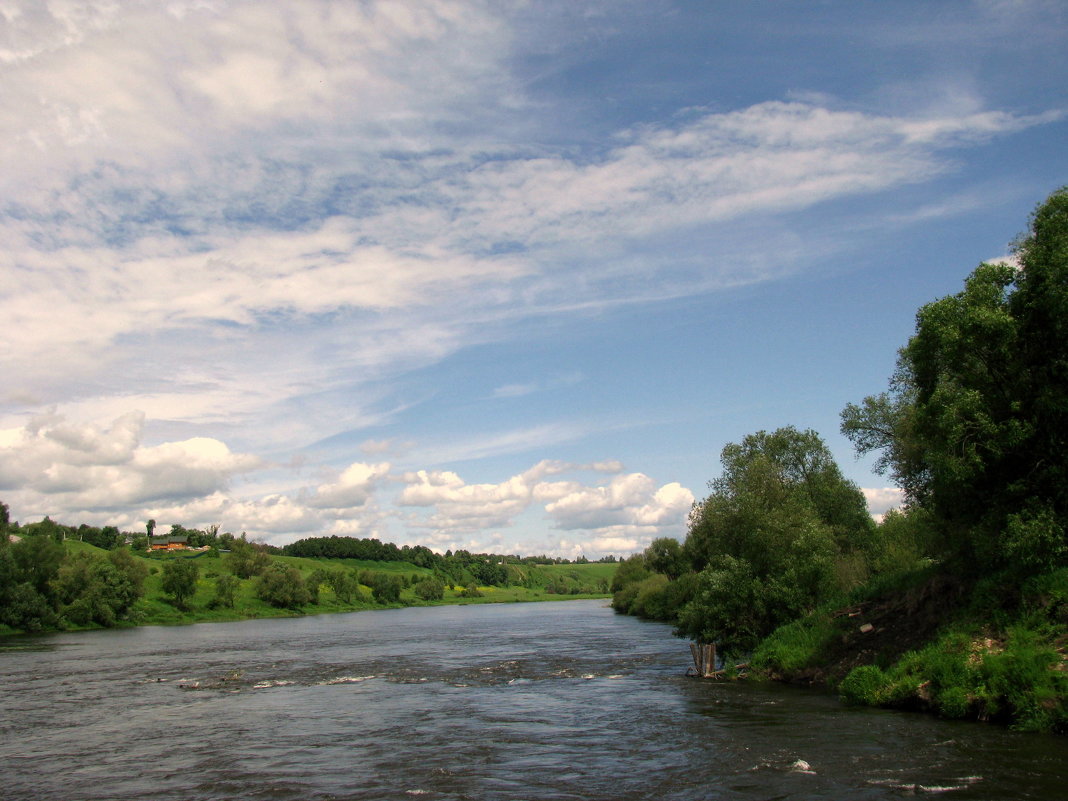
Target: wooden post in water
column 704, row 658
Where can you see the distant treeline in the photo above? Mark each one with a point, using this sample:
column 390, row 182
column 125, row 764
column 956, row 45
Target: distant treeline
column 48, row 581
column 453, row 567
column 335, row 547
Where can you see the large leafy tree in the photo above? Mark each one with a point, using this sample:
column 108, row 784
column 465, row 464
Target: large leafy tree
column 973, row 425
column 767, row 539
column 180, row 580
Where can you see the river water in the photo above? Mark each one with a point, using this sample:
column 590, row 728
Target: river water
column 522, row 701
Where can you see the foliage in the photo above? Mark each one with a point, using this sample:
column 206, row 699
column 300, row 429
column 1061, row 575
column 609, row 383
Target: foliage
column 225, row 591
column 345, row 585
column 312, row 583
column 283, row 587
column 180, row 580
column 630, row 571
column 247, row 560
column 796, row 645
column 970, row 675
column 385, row 589
column 665, row 555
column 766, row 541
column 430, row 589
column 973, row 425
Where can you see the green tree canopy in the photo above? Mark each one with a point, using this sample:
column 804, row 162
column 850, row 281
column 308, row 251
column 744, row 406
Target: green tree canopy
column 973, row 424
column 283, row 587
column 180, row 580
column 765, row 541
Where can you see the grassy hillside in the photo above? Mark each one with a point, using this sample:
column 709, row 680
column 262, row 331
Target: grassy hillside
column 156, row 607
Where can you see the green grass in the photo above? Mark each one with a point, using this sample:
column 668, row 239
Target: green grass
column 156, row 609
column 797, row 644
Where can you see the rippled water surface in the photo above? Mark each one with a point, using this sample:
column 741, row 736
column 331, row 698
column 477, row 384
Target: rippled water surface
column 521, row 701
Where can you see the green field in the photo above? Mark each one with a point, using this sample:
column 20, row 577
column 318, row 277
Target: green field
column 526, row 583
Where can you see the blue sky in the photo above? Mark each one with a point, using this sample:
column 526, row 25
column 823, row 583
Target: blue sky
column 490, row 275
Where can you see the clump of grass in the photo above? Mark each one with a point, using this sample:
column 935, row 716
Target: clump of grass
column 866, row 685
column 796, row 645
column 1013, row 678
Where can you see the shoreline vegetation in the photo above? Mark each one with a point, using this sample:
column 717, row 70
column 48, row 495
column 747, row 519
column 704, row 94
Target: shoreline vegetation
column 956, row 604
column 52, row 579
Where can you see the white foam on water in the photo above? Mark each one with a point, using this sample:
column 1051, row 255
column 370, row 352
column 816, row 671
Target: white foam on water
column 346, row 680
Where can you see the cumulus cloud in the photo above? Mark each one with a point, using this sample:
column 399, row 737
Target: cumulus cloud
column 630, row 501
column 56, row 462
column 882, row 499
column 628, row 511
column 354, row 487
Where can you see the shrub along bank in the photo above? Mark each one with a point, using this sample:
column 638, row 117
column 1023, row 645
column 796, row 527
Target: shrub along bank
column 48, row 585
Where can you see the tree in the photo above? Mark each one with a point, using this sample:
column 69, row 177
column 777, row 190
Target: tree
column 95, row 590
column 134, row 569
column 225, row 591
column 430, row 589
column 37, row 559
column 665, row 555
column 385, row 589
column 247, row 560
column 765, row 542
column 630, row 570
column 973, row 424
column 346, row 586
column 318, row 577
column 180, row 580
column 283, row 587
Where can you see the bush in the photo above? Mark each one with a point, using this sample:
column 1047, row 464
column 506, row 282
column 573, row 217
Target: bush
column 180, row 580
column 247, row 560
column 431, row 589
column 865, row 685
column 225, row 590
column 651, row 600
column 282, row 587
column 385, row 589
column 1020, row 682
column 345, row 585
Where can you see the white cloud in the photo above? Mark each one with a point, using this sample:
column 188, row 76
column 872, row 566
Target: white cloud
column 630, row 501
column 626, row 512
column 882, row 499
column 53, row 462
column 354, row 487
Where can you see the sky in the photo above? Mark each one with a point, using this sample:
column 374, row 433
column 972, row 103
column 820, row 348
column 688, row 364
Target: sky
column 502, row 276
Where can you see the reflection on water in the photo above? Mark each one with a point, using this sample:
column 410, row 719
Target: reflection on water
column 532, row 701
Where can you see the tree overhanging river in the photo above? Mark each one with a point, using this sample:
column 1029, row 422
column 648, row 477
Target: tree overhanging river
column 530, row 701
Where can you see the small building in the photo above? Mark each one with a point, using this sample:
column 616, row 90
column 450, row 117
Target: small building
column 168, row 544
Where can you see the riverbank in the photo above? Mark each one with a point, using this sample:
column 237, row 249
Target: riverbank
column 243, row 596
column 994, row 651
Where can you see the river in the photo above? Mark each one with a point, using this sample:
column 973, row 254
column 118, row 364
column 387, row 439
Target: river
column 520, row 701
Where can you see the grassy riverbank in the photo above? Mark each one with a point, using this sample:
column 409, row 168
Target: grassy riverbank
column 158, row 607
